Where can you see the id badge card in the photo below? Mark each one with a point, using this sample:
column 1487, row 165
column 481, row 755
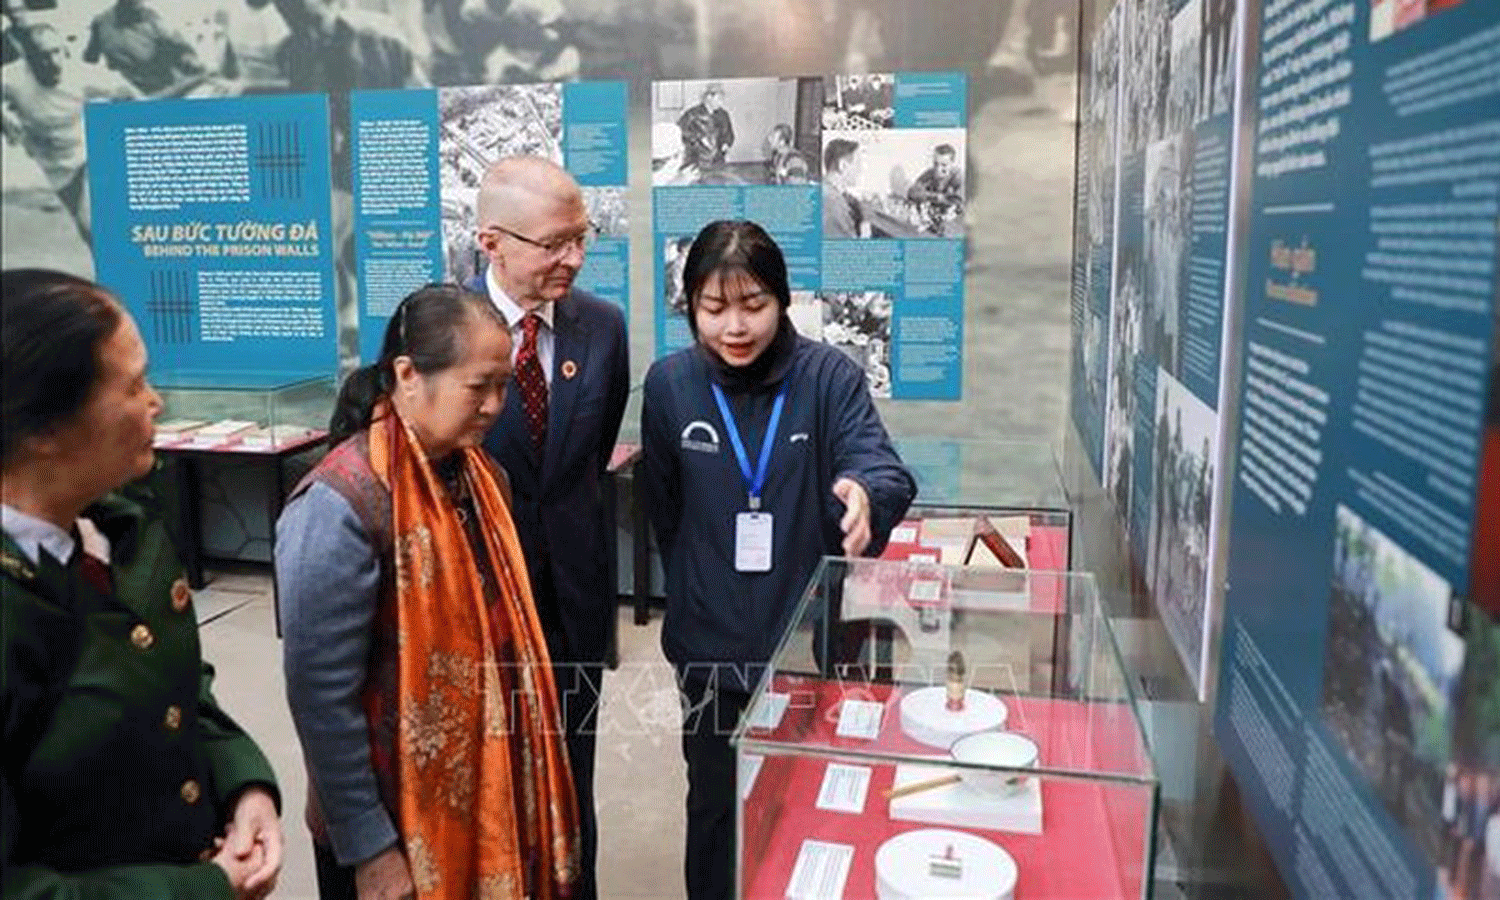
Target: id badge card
column 752, row 542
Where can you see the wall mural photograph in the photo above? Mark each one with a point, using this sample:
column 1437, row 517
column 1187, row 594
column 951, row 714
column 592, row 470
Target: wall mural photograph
column 1391, row 673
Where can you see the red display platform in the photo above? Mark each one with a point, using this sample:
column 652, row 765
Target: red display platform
column 1094, row 839
column 1046, row 551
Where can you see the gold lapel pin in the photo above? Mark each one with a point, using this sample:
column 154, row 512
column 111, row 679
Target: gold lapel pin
column 569, row 368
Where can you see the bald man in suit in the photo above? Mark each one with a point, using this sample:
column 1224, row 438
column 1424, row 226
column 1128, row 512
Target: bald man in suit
column 556, row 433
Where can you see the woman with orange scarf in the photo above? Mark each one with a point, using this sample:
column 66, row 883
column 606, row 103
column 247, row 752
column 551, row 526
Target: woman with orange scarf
column 415, row 665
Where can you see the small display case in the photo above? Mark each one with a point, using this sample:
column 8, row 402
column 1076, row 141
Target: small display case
column 243, row 412
column 1010, row 473
column 926, row 730
column 1012, row 489
column 983, row 536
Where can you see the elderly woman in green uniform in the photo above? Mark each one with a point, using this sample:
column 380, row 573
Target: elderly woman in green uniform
column 122, row 777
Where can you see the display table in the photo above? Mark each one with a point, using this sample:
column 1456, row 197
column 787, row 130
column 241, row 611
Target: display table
column 185, row 463
column 259, row 417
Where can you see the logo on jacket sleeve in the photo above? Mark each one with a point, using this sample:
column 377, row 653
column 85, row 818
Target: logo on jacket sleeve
column 701, row 436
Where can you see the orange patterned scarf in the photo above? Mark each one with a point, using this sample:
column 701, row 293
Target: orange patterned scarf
column 460, row 706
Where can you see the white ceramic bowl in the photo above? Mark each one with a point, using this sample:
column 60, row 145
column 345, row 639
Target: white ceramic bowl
column 996, row 748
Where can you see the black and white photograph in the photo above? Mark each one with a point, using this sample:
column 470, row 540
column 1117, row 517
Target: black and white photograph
column 1216, row 67
column 1185, row 71
column 477, row 126
column 1168, row 209
column 1184, row 452
column 1097, row 167
column 898, row 183
column 485, row 43
column 1101, row 116
column 60, row 55
column 1391, row 673
column 1093, row 351
column 859, row 102
column 735, row 131
column 44, row 92
column 806, row 313
column 674, row 261
column 56, row 61
column 1146, row 72
column 1008, row 48
column 609, row 210
column 859, row 324
column 1125, row 328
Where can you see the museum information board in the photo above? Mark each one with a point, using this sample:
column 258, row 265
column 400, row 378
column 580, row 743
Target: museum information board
column 1358, row 702
column 217, row 236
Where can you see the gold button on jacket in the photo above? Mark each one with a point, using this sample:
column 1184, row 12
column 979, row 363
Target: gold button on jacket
column 142, row 637
column 63, row 767
column 173, row 718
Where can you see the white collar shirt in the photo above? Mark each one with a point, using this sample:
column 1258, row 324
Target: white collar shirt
column 32, row 535
column 514, row 314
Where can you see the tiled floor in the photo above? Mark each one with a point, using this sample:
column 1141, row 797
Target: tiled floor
column 639, row 779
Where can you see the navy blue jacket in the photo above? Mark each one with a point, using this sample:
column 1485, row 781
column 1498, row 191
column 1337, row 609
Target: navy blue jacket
column 693, row 485
column 558, row 500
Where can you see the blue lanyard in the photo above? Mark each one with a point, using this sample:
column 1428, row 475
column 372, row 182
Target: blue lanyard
column 757, row 481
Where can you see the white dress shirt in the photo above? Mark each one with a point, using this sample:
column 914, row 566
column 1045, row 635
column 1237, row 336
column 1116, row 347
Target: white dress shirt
column 513, row 314
column 33, row 535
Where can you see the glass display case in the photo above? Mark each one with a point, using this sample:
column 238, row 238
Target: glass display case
column 976, row 497
column 1011, row 473
column 926, row 730
column 244, row 412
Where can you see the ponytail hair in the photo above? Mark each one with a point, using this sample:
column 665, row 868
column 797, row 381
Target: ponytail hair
column 355, row 406
column 426, row 327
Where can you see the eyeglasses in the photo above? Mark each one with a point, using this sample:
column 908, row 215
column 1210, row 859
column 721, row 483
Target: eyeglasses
column 558, row 247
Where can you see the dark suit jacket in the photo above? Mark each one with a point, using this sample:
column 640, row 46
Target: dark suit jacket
column 559, row 500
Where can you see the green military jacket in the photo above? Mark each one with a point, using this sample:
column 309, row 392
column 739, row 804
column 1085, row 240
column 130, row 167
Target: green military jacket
column 119, row 767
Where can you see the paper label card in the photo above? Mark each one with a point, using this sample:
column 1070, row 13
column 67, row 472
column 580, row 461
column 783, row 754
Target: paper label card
column 844, row 788
column 903, row 534
column 768, row 711
column 927, row 591
column 820, row 872
column 860, row 719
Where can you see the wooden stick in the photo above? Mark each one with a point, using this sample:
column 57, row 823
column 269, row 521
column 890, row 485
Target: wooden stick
column 918, row 786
